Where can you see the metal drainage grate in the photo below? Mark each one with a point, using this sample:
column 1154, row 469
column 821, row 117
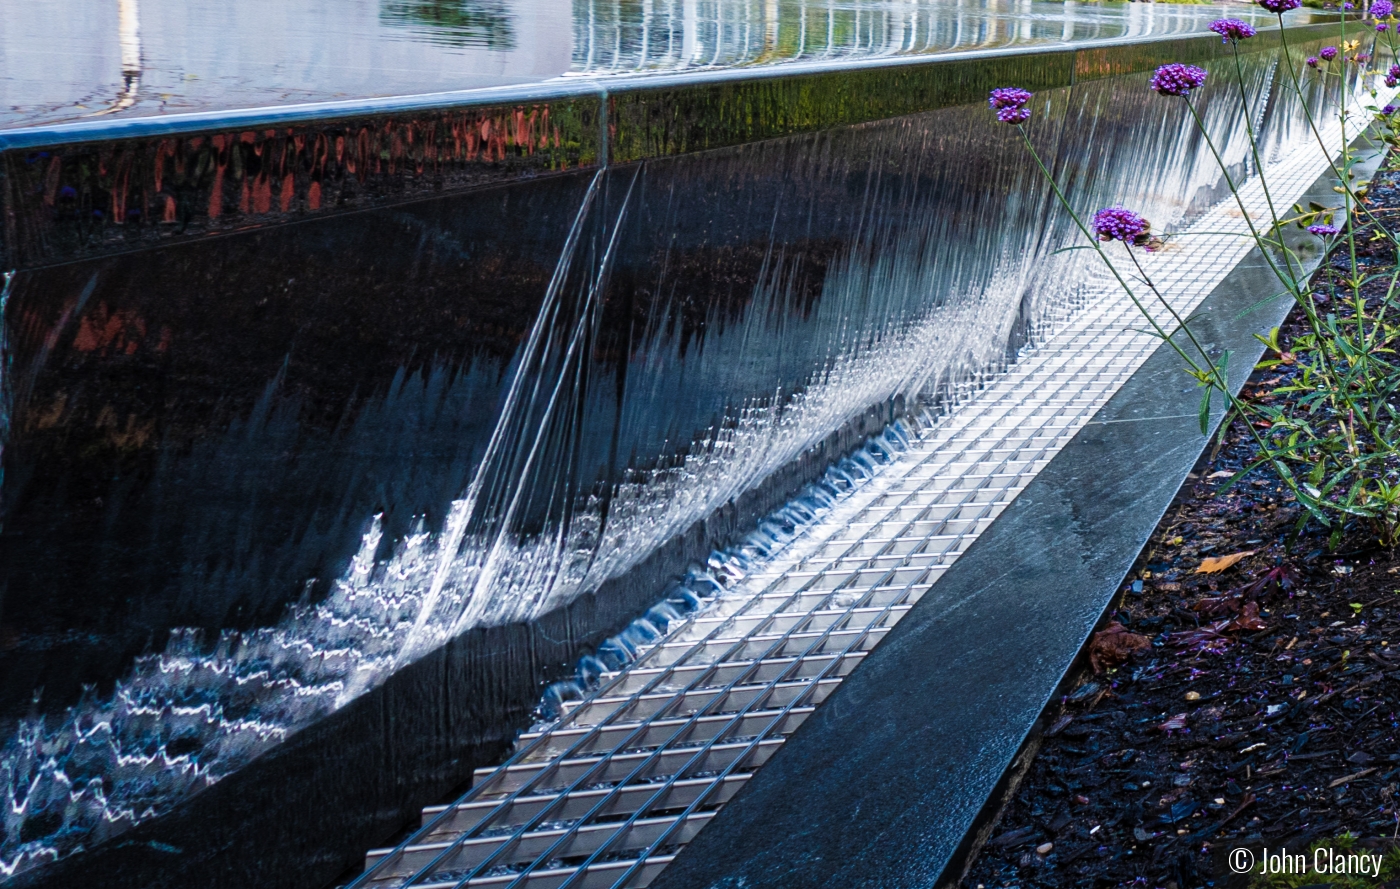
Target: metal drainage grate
column 606, row 796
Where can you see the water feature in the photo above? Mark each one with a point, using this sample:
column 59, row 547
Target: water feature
column 545, row 384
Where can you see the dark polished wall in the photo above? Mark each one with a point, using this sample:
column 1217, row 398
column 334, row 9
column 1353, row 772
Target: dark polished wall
column 200, row 431
column 202, row 427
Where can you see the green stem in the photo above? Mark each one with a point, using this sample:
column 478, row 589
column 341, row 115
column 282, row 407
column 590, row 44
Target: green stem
column 1294, row 285
column 1329, row 368
column 1312, row 122
column 1093, row 239
column 1211, row 370
column 1287, row 281
column 1254, row 149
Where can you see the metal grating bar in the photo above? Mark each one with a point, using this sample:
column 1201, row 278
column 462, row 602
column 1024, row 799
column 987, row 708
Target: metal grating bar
column 585, row 840
column 627, row 801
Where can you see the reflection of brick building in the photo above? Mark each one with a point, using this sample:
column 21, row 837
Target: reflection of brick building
column 89, row 199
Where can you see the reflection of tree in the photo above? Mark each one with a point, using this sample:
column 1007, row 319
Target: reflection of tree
column 453, row 22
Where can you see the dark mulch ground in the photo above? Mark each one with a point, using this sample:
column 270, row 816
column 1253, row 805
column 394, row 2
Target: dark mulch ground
column 1266, row 709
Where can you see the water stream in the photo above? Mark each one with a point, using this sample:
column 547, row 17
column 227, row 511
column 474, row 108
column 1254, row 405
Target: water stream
column 902, row 261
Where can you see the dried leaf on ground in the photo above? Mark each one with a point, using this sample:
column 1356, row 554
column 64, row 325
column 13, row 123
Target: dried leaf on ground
column 1017, row 837
column 1247, row 619
column 1204, row 637
column 1212, row 635
column 1217, row 604
column 1114, row 645
column 1175, row 724
column 1280, row 578
column 1216, row 564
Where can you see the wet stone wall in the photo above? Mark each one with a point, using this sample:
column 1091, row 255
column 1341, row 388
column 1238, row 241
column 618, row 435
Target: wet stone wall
column 304, row 501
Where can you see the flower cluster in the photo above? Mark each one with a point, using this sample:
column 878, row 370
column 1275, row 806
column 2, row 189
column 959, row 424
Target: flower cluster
column 1177, row 79
column 1311, row 61
column 1120, row 224
column 1328, row 53
column 1382, row 8
column 1009, row 103
column 1392, row 77
column 1232, row 29
column 1323, row 231
column 1390, row 109
column 1381, row 26
column 1280, row 6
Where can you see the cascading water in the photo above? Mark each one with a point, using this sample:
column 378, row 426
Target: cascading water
column 705, row 585
column 902, row 260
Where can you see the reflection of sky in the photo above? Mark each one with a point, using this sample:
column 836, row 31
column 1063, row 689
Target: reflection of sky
column 665, row 35
column 484, row 23
column 66, row 60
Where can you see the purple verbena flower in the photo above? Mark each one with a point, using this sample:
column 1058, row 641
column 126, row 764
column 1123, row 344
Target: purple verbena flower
column 1120, row 224
column 1348, row 6
column 1382, row 8
column 1177, row 79
column 1280, row 6
column 1324, row 231
column 1311, row 61
column 1360, row 57
column 1232, row 29
column 1328, row 53
column 1390, row 109
column 1009, row 103
column 1391, row 81
column 1009, row 97
column 1381, row 26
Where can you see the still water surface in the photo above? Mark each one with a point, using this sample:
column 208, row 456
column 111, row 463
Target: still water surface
column 72, row 60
